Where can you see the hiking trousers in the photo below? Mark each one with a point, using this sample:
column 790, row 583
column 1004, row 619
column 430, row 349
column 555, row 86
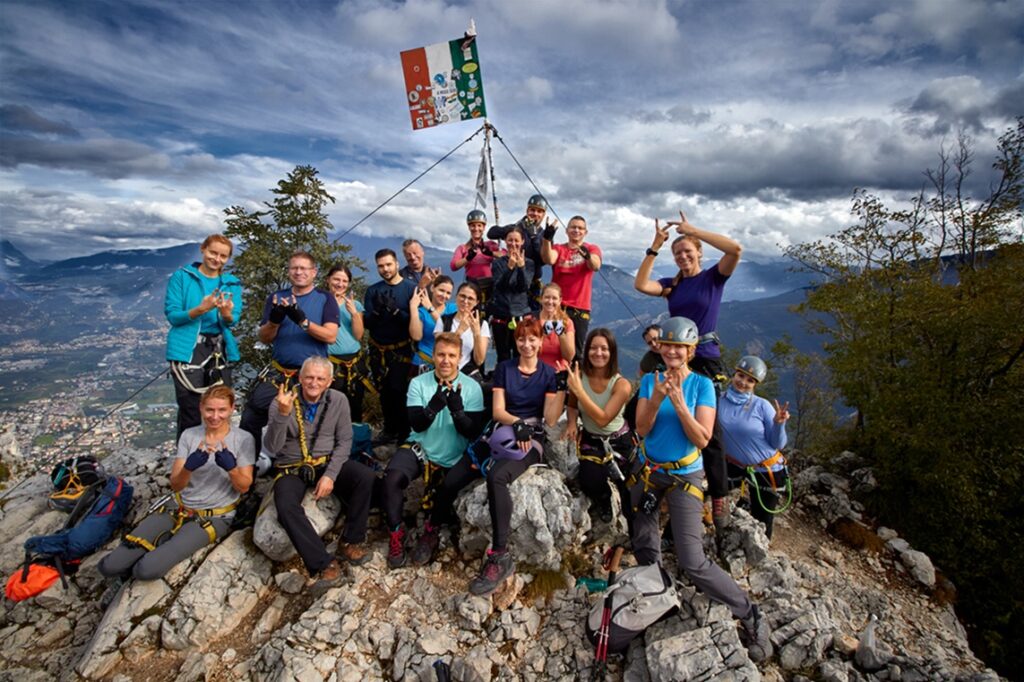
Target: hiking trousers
column 502, row 474
column 171, row 550
column 405, row 467
column 686, row 513
column 353, row 487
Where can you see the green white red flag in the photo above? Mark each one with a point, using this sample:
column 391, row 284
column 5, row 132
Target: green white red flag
column 443, row 84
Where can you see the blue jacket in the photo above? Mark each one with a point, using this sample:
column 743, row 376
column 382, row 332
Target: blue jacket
column 184, row 292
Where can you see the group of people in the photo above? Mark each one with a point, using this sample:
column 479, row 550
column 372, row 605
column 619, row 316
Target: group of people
column 452, row 421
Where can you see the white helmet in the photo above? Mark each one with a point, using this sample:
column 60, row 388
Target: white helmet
column 753, row 367
column 679, row 330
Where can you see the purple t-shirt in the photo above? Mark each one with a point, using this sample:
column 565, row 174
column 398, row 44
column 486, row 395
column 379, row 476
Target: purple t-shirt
column 524, row 395
column 699, row 299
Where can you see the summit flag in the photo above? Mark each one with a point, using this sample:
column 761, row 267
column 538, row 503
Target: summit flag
column 443, row 84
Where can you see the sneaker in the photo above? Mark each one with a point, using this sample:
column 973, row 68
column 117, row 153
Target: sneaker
column 497, row 566
column 720, row 513
column 426, row 547
column 353, row 553
column 396, row 548
column 756, row 636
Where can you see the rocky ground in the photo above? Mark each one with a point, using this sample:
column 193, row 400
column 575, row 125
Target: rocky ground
column 232, row 613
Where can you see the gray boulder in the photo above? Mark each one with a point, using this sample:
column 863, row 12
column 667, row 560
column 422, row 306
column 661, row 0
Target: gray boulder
column 743, row 544
column 270, row 537
column 920, row 566
column 546, row 519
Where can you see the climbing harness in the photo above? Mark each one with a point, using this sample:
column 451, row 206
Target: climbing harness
column 652, row 493
column 750, row 475
column 349, row 371
column 211, row 368
column 181, row 514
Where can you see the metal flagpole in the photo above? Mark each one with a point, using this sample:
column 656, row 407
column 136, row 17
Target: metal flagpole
column 490, row 163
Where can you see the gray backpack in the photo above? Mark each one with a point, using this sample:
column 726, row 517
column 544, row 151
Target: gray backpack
column 641, row 596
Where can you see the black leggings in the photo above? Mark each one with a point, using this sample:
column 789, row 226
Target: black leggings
column 714, row 458
column 348, row 379
column 499, row 500
column 390, row 373
column 769, row 496
column 404, row 467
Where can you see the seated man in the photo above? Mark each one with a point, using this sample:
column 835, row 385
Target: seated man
column 446, row 412
column 310, row 434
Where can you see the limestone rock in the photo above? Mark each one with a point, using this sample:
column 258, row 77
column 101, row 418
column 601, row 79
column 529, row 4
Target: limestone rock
column 225, row 588
column 920, row 566
column 546, row 519
column 270, row 537
column 743, row 543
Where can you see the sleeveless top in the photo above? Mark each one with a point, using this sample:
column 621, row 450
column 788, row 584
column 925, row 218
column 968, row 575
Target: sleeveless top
column 601, row 399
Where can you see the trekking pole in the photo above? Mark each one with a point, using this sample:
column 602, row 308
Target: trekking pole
column 601, row 650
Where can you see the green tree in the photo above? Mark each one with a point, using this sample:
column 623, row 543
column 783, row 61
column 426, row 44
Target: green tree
column 923, row 307
column 294, row 220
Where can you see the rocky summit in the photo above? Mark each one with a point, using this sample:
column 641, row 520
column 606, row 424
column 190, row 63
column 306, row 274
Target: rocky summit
column 839, row 610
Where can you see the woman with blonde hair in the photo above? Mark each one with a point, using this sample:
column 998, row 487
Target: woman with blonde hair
column 202, row 304
column 558, row 346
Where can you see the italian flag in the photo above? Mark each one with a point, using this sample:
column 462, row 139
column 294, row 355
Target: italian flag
column 443, row 83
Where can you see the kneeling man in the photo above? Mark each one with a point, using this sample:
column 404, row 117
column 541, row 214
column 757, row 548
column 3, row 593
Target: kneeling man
column 446, row 412
column 310, row 434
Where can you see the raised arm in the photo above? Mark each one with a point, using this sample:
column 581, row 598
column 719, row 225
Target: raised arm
column 643, row 282
column 730, row 247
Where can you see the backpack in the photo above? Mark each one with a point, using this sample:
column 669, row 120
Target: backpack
column 641, row 596
column 97, row 515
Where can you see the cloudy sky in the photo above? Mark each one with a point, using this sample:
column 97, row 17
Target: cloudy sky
column 134, row 123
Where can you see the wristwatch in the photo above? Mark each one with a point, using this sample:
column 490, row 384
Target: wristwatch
column 305, row 325
column 652, row 252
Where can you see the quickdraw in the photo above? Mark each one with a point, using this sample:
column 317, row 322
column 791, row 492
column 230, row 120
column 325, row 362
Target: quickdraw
column 751, row 473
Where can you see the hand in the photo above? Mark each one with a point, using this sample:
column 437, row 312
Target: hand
column 197, row 459
column 209, row 302
column 474, row 322
column 574, row 380
column 454, row 398
column 584, row 251
column 225, row 459
column 438, row 401
column 279, row 311
column 781, row 412
column 549, row 327
column 324, row 487
column 471, row 252
column 570, row 433
column 350, row 305
column 429, row 275
column 683, row 225
column 285, row 399
column 660, row 235
column 486, row 250
column 549, row 231
column 388, row 303
column 296, row 314
column 559, row 327
column 523, row 433
column 226, row 305
column 414, row 301
column 662, row 385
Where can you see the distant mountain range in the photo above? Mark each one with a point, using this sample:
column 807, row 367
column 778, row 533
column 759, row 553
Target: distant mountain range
column 107, row 290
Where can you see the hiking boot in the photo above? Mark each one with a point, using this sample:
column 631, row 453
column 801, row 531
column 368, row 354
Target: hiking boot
column 497, row 566
column 720, row 513
column 426, row 547
column 353, row 552
column 329, row 577
column 396, row 548
column 756, row 636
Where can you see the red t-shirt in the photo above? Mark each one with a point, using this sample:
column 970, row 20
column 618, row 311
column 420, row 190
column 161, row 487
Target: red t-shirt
column 573, row 274
column 551, row 349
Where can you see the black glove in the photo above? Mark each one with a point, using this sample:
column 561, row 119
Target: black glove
column 562, row 380
column 584, row 251
column 296, row 314
column 549, row 232
column 558, row 327
column 390, row 305
column 523, row 431
column 278, row 313
column 486, row 250
column 197, row 459
column 471, row 253
column 438, row 401
column 549, row 327
column 454, row 396
column 225, row 459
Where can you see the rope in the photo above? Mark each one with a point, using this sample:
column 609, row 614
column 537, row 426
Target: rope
column 555, row 213
column 410, row 183
column 47, row 461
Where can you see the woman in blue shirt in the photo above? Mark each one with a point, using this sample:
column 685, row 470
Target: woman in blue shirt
column 346, row 351
column 425, row 310
column 676, row 417
column 753, row 435
column 202, row 303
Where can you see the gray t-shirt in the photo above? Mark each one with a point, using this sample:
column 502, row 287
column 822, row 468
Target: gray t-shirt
column 210, row 486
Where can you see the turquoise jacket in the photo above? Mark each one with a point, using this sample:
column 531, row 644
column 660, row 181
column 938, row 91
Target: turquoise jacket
column 184, row 292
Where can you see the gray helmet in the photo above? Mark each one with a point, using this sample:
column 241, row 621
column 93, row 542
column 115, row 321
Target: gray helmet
column 538, row 201
column 753, row 366
column 476, row 216
column 680, row 331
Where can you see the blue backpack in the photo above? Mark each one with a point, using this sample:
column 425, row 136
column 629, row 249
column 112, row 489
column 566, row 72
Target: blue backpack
column 93, row 521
